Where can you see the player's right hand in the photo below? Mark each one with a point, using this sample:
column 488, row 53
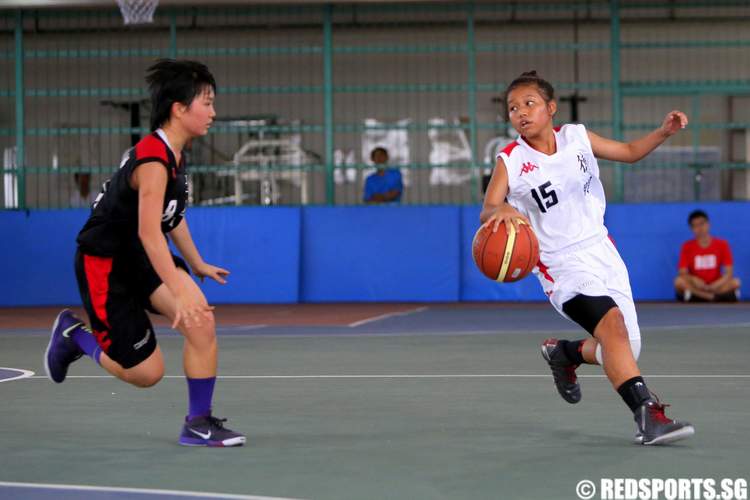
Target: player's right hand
column 191, row 310
column 505, row 213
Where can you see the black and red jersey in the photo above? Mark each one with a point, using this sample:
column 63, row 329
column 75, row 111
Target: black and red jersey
column 112, row 227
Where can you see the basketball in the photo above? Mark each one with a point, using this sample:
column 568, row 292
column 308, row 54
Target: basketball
column 505, row 257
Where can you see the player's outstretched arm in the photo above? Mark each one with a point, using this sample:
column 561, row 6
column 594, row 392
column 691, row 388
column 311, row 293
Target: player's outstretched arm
column 183, row 240
column 495, row 209
column 630, row 152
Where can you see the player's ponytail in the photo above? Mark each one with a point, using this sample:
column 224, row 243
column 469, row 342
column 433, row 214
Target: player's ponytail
column 532, row 78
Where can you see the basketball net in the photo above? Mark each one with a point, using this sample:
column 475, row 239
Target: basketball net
column 138, row 11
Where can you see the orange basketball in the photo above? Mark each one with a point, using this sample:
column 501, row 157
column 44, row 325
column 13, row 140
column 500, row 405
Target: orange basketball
column 505, row 257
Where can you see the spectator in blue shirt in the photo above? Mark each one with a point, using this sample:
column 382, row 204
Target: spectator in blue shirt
column 385, row 185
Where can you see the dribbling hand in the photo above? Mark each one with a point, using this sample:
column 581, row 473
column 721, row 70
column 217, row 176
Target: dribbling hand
column 503, row 214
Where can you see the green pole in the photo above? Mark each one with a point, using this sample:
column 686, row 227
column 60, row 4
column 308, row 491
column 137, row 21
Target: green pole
column 172, row 35
column 695, row 119
column 471, row 52
column 328, row 99
column 614, row 30
column 695, row 116
column 20, row 126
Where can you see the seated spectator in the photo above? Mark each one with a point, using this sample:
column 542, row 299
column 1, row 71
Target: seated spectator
column 701, row 277
column 385, row 185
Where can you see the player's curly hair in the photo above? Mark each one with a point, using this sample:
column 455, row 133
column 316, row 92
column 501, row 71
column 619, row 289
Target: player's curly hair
column 170, row 81
column 532, row 78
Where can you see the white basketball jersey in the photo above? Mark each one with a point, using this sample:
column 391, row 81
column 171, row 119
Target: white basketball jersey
column 560, row 194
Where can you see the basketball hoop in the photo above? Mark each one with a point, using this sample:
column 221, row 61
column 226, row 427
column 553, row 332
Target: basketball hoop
column 138, row 11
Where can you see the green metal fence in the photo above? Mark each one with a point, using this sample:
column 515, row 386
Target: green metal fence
column 306, row 92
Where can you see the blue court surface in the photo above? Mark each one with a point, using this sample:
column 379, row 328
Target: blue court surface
column 431, row 401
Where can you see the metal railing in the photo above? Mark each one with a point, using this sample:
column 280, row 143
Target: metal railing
column 423, row 79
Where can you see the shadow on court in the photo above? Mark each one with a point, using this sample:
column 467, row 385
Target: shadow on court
column 447, row 401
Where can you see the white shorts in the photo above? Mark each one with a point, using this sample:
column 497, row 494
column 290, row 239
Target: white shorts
column 595, row 269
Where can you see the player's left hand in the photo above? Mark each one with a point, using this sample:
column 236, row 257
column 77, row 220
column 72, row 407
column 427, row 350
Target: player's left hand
column 674, row 122
column 204, row 270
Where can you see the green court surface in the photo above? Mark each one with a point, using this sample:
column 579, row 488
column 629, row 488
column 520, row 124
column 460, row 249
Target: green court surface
column 405, row 415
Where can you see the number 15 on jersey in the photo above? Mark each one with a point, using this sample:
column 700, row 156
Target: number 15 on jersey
column 544, row 197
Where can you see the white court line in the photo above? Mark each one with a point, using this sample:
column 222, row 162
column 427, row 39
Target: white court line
column 407, row 376
column 239, row 327
column 387, row 315
column 172, row 335
column 24, row 374
column 451, row 333
column 141, row 491
column 691, row 326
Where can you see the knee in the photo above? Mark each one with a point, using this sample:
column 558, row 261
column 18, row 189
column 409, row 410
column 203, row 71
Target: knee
column 144, row 379
column 202, row 335
column 148, row 380
column 612, row 327
column 635, row 348
column 679, row 283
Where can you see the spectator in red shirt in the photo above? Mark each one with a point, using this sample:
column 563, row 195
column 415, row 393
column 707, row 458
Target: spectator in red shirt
column 701, row 278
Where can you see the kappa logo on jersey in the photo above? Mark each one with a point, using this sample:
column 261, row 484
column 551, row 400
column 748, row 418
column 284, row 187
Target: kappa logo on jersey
column 528, row 167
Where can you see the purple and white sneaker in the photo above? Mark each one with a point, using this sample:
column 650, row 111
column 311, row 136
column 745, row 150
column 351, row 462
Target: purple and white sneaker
column 209, row 431
column 61, row 350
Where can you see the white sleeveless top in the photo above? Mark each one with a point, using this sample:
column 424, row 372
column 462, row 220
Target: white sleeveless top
column 560, row 194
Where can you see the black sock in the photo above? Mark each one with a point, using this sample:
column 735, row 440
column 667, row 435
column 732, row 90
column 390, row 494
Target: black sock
column 572, row 350
column 634, row 392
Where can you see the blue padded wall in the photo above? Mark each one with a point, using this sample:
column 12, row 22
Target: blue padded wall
column 649, row 238
column 380, row 253
column 36, row 256
column 260, row 247
column 372, row 253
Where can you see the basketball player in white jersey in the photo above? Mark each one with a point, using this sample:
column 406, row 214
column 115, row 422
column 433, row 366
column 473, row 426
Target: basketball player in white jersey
column 549, row 178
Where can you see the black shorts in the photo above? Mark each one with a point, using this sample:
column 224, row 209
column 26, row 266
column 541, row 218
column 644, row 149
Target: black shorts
column 116, row 294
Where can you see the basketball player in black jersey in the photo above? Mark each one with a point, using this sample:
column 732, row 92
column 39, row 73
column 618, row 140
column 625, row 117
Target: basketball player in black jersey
column 124, row 266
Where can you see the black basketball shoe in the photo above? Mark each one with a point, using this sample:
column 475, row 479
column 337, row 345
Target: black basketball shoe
column 654, row 427
column 563, row 371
